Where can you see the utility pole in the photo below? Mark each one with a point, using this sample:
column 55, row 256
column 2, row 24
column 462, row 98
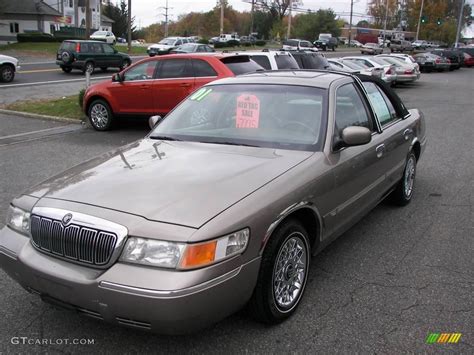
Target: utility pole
column 222, row 17
column 289, row 21
column 350, row 22
column 88, row 19
column 129, row 26
column 251, row 16
column 166, row 14
column 458, row 32
column 419, row 20
column 385, row 23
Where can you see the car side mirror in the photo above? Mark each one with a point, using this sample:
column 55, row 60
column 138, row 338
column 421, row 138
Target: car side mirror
column 117, row 78
column 355, row 135
column 154, row 120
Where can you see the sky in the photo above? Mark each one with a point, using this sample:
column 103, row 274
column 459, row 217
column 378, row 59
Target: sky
column 147, row 12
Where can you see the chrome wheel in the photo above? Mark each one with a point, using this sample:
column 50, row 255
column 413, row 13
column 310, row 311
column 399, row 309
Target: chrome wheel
column 289, row 272
column 99, row 116
column 409, row 177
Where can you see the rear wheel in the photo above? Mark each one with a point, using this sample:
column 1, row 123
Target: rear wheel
column 404, row 191
column 283, row 274
column 7, row 73
column 100, row 115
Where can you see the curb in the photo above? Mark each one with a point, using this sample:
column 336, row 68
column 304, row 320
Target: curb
column 43, row 117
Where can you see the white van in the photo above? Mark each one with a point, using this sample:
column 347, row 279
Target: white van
column 229, row 37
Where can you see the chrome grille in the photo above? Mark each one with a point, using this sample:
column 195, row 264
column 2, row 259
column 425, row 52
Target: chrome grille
column 74, row 242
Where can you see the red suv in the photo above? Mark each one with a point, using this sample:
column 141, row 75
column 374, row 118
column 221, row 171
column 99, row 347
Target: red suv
column 154, row 86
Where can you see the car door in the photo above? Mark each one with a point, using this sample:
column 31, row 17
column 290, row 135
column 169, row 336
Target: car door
column 357, row 171
column 203, row 73
column 97, row 53
column 111, row 59
column 396, row 133
column 134, row 95
column 174, row 82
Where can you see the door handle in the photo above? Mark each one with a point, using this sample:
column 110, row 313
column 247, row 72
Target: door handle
column 407, row 133
column 380, row 150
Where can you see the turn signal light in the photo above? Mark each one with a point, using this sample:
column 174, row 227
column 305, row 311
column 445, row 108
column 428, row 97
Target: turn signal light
column 199, row 254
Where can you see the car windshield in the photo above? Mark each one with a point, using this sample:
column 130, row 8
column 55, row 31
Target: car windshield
column 354, row 65
column 241, row 65
column 370, row 45
column 380, row 61
column 188, row 47
column 167, row 41
column 99, row 33
column 392, row 60
column 273, row 116
column 286, row 62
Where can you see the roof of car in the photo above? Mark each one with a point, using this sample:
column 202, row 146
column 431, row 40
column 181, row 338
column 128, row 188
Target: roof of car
column 84, row 40
column 315, row 78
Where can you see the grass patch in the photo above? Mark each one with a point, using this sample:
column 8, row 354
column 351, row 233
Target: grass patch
column 51, row 48
column 62, row 107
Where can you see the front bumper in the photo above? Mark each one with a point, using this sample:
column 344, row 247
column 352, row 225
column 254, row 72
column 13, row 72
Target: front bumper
column 131, row 295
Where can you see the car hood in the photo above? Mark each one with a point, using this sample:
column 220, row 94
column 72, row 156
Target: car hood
column 6, row 58
column 181, row 183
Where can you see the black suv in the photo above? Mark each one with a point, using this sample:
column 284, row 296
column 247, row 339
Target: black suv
column 326, row 43
column 88, row 55
column 310, row 60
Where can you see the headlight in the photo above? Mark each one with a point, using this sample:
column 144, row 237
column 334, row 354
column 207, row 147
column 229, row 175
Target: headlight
column 181, row 255
column 18, row 220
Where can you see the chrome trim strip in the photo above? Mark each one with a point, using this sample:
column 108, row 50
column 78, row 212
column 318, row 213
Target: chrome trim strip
column 7, row 252
column 161, row 294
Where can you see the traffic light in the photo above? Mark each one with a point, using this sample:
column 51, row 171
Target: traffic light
column 424, row 19
column 439, row 22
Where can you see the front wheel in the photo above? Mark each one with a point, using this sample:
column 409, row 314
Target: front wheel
column 100, row 115
column 7, row 73
column 283, row 274
column 404, row 191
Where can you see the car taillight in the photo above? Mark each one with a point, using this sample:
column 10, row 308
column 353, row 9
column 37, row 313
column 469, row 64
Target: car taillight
column 408, row 71
column 78, row 47
column 438, row 61
column 389, row 72
column 448, row 61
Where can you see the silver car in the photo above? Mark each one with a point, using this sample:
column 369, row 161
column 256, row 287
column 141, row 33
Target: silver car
column 221, row 206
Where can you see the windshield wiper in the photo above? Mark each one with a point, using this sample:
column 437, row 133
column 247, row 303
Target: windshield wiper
column 165, row 138
column 230, row 143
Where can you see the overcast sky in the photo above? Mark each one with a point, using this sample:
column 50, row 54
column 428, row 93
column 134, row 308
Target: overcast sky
column 147, row 12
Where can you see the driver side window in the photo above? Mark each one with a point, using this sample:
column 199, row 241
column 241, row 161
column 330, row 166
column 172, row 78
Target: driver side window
column 144, row 71
column 350, row 110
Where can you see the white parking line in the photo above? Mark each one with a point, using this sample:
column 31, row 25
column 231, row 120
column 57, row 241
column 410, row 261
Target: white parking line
column 51, row 82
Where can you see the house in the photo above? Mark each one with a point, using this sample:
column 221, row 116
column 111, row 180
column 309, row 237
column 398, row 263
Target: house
column 21, row 16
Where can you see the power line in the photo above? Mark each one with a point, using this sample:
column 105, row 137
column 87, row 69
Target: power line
column 166, row 14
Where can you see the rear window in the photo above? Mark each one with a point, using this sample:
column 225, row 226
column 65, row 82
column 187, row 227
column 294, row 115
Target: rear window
column 241, row 65
column 262, row 61
column 286, row 62
column 68, row 46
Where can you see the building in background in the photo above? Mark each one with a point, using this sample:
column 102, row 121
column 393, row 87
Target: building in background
column 20, row 16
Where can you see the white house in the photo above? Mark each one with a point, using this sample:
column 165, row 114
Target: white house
column 21, row 16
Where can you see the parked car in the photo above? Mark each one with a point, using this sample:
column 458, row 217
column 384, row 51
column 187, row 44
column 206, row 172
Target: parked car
column 397, row 45
column 104, row 36
column 121, row 40
column 407, row 58
column 326, row 43
column 383, row 71
column 298, row 44
column 406, row 72
column 371, row 48
column 154, row 86
column 429, row 62
column 272, row 60
column 193, row 48
column 468, row 60
column 355, row 43
column 165, row 46
column 8, row 68
column 453, row 56
column 88, row 55
column 222, row 205
column 350, row 67
column 419, row 44
column 310, row 60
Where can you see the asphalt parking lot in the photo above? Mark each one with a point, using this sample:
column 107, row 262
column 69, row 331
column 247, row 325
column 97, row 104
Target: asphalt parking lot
column 382, row 287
